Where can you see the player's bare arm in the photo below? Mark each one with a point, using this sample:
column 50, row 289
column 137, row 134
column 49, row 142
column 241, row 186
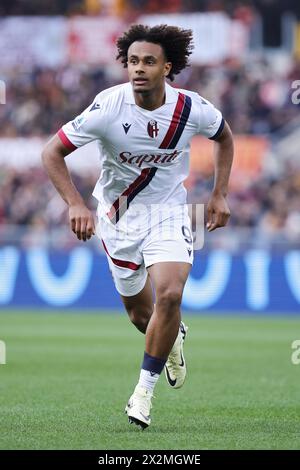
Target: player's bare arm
column 81, row 218
column 218, row 211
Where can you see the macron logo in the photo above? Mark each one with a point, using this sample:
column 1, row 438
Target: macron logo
column 95, row 106
column 126, row 127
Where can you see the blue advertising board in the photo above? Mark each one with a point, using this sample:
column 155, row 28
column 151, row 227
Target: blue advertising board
column 255, row 281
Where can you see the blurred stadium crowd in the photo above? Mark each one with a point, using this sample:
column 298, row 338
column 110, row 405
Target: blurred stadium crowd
column 72, row 7
column 254, row 98
column 266, row 213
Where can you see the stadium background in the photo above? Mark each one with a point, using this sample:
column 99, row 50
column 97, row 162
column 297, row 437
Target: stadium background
column 55, row 57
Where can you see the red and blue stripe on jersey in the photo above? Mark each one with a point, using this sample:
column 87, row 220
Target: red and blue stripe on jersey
column 122, row 203
column 179, row 120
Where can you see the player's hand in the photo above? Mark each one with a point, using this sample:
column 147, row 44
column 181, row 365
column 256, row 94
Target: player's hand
column 82, row 222
column 218, row 212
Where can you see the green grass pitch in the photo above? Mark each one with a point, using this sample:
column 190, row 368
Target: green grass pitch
column 68, row 377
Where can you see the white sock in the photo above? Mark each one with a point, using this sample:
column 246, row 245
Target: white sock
column 148, row 380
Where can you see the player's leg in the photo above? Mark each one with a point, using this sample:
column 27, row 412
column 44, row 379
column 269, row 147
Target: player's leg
column 140, row 306
column 175, row 366
column 164, row 323
column 164, row 335
column 162, row 331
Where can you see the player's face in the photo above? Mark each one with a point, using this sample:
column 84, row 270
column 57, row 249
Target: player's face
column 147, row 66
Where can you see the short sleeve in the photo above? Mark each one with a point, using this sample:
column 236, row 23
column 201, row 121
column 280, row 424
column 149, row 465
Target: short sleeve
column 88, row 126
column 211, row 120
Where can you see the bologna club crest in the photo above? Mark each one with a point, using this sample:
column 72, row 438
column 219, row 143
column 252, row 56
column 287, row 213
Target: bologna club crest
column 152, row 128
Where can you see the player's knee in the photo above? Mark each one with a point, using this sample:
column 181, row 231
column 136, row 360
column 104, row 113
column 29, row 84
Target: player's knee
column 139, row 318
column 169, row 298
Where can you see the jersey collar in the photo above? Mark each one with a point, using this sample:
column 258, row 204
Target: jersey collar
column 171, row 94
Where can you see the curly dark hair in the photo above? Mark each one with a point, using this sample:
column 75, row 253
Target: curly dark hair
column 175, row 42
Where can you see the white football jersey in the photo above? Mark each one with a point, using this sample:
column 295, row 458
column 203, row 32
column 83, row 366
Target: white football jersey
column 144, row 154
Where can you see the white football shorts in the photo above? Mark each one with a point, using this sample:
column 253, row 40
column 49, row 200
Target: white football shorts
column 131, row 249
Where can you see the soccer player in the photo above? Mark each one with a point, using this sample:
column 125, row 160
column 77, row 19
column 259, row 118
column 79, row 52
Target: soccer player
column 143, row 129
